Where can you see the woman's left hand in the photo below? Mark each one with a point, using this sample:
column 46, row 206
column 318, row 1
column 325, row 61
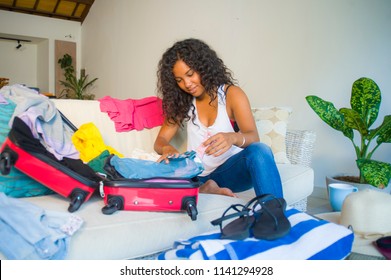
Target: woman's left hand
column 218, row 144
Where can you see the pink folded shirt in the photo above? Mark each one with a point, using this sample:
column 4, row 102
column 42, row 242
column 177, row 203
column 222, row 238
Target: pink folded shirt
column 132, row 114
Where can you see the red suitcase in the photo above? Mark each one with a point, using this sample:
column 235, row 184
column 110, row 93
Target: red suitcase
column 155, row 194
column 47, row 171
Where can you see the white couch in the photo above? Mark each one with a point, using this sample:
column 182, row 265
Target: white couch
column 132, row 234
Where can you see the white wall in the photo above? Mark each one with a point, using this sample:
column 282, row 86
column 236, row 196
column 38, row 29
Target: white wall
column 280, row 51
column 43, row 62
column 39, row 29
column 20, row 65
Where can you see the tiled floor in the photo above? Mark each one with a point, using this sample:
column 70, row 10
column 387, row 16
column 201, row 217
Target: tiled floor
column 318, row 202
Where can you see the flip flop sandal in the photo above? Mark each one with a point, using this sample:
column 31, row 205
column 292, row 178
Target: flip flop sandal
column 255, row 201
column 239, row 228
column 271, row 222
column 384, row 246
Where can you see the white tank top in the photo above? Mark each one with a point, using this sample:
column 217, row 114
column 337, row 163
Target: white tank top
column 198, row 133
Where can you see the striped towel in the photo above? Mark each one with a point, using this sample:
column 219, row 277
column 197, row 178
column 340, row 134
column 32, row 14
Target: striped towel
column 309, row 239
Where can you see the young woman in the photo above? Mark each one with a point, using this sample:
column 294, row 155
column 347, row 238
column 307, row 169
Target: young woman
column 199, row 90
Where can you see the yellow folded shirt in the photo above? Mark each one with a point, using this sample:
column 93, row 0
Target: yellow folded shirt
column 89, row 142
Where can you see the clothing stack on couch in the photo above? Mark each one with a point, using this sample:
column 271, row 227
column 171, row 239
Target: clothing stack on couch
column 135, row 234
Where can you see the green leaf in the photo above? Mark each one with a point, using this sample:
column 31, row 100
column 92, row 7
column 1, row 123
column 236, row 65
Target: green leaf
column 75, row 88
column 384, row 131
column 329, row 114
column 374, row 172
column 354, row 121
column 366, row 99
column 65, row 61
column 89, row 83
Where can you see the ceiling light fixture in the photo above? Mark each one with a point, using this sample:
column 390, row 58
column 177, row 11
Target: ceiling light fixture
column 19, row 45
column 16, row 39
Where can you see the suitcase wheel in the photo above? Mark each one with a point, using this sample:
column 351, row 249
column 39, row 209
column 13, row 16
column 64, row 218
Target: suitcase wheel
column 192, row 211
column 189, row 204
column 77, row 198
column 114, row 203
column 5, row 163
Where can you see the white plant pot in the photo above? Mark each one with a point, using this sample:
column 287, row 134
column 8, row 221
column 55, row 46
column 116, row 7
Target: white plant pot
column 331, row 180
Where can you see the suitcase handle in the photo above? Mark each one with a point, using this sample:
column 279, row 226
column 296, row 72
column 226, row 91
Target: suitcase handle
column 67, row 121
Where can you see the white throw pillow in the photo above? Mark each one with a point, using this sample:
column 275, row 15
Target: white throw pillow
column 272, row 126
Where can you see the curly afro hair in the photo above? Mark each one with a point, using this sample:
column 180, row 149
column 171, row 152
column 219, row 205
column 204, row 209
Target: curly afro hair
column 203, row 60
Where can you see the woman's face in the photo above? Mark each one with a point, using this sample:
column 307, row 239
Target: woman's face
column 187, row 79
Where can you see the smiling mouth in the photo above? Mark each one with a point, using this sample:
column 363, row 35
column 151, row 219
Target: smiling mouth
column 193, row 90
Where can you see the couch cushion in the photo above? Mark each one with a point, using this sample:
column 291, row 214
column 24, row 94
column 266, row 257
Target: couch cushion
column 80, row 113
column 297, row 183
column 272, row 127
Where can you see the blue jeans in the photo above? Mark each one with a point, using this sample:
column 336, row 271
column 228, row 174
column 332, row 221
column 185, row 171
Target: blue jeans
column 252, row 167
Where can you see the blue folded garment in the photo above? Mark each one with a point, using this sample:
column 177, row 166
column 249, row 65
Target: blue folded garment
column 184, row 166
column 29, row 232
column 309, row 239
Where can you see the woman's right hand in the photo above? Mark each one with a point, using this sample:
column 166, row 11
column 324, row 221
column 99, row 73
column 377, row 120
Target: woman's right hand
column 162, row 143
column 168, row 152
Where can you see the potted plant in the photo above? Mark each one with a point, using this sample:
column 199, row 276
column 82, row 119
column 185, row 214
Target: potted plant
column 357, row 121
column 74, row 87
